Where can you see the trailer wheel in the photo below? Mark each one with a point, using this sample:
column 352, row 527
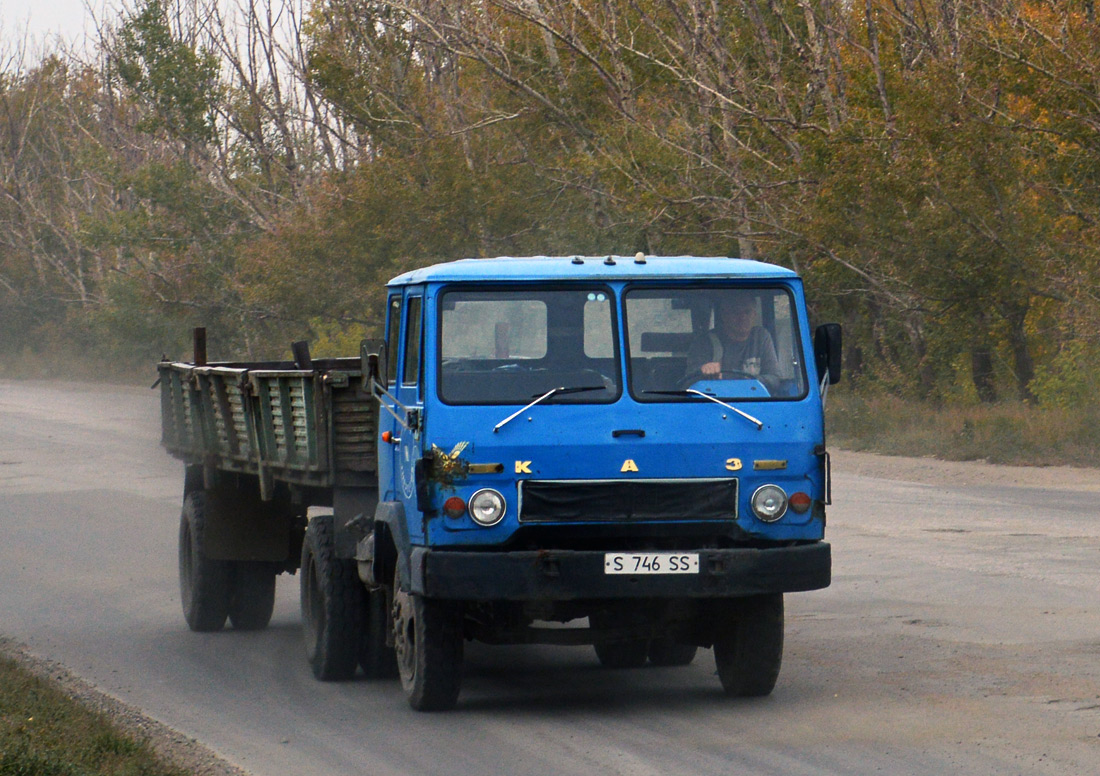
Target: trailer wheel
column 378, row 660
column 748, row 648
column 253, row 599
column 666, row 652
column 428, row 640
column 204, row 583
column 332, row 604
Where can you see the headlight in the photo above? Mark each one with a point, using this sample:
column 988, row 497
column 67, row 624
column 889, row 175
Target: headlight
column 487, row 507
column 769, row 503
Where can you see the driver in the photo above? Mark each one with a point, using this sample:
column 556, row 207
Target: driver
column 736, row 345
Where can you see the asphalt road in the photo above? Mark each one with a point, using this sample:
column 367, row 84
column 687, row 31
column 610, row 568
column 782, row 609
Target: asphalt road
column 961, row 633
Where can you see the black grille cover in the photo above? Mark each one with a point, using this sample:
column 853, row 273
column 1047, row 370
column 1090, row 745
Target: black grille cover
column 544, row 501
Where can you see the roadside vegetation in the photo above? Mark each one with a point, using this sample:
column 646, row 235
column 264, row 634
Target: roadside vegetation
column 260, row 169
column 1005, row 433
column 44, row 732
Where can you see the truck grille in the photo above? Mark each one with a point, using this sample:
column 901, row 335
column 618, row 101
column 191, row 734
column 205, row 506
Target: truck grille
column 543, row 501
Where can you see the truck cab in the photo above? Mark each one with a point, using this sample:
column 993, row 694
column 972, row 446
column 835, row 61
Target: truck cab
column 621, row 451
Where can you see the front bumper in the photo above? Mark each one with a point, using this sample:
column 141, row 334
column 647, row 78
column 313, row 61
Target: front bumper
column 567, row 575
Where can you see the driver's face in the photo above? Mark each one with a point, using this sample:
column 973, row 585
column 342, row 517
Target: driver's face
column 737, row 317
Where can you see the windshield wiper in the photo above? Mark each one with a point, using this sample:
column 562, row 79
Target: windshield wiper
column 544, row 397
column 693, row 392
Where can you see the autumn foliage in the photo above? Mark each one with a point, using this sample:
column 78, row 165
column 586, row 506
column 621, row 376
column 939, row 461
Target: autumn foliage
column 932, row 169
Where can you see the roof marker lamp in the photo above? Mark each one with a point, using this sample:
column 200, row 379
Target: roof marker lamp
column 487, row 507
column 769, row 503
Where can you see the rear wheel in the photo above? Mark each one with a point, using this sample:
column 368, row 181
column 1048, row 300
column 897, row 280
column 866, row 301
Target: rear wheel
column 205, row 584
column 748, row 648
column 253, row 598
column 428, row 640
column 378, row 660
column 332, row 604
column 666, row 652
column 622, row 654
column 618, row 652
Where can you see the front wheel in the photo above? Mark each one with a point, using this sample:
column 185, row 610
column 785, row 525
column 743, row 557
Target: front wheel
column 332, row 604
column 748, row 648
column 428, row 641
column 205, row 584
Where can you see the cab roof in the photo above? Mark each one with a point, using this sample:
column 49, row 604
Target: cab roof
column 509, row 268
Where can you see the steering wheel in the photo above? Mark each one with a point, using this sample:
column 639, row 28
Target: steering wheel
column 696, row 375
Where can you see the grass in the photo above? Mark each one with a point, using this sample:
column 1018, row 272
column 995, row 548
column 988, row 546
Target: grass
column 44, row 732
column 1005, row 433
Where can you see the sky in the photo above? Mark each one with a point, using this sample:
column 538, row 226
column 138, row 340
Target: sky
column 45, row 20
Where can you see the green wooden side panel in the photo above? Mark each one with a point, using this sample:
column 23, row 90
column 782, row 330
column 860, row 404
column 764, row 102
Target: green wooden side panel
column 299, row 426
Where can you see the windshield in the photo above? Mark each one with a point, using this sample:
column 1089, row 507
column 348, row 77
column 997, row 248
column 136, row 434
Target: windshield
column 729, row 343
column 512, row 346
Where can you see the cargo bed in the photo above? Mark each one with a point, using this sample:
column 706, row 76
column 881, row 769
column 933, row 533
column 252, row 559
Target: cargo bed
column 311, row 427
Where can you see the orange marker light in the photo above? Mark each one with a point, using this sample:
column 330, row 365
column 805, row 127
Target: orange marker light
column 454, row 507
column 799, row 502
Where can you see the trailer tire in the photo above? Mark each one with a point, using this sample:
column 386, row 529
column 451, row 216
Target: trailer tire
column 748, row 647
column 205, row 584
column 377, row 659
column 428, row 642
column 332, row 604
column 667, row 652
column 253, row 599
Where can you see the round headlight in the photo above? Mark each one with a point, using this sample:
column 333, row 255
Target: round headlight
column 487, row 507
column 769, row 502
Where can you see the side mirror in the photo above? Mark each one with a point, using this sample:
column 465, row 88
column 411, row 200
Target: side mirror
column 372, row 361
column 828, row 346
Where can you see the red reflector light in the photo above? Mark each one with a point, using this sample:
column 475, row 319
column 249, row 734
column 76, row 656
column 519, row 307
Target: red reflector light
column 799, row 502
column 454, row 507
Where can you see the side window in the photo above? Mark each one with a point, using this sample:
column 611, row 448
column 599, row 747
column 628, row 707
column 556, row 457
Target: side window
column 393, row 336
column 411, row 374
column 785, row 343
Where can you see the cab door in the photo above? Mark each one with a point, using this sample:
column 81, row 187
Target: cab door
column 404, row 421
column 388, row 427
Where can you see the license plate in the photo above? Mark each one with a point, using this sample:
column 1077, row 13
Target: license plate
column 651, row 563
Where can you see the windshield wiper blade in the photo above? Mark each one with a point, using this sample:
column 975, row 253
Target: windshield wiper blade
column 693, row 392
column 544, row 397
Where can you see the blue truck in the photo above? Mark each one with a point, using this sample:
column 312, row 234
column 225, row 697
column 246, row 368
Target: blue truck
column 622, row 451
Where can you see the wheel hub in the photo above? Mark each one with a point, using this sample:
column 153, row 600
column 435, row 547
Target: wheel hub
column 403, row 633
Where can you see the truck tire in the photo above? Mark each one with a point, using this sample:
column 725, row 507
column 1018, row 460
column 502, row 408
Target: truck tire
column 377, row 660
column 666, row 652
column 332, row 604
column 618, row 652
column 748, row 648
column 622, row 654
column 253, row 598
column 205, row 584
column 428, row 641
